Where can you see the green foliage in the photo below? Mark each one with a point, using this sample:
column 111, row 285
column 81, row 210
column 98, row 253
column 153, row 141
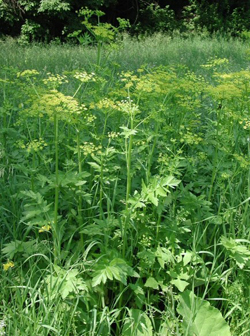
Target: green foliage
column 200, row 318
column 53, row 6
column 154, row 19
column 101, row 33
column 137, row 324
column 64, row 282
column 240, row 253
column 30, row 31
column 125, row 194
column 58, row 19
column 109, row 270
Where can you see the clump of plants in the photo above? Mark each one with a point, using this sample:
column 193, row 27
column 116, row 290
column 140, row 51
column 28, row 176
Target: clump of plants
column 125, row 201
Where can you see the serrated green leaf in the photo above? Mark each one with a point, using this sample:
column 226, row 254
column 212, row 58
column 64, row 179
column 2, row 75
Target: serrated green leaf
column 12, row 248
column 239, row 253
column 64, row 282
column 127, row 132
column 80, row 183
column 117, row 269
column 95, row 166
column 100, row 277
column 170, row 181
column 152, row 198
column 17, row 246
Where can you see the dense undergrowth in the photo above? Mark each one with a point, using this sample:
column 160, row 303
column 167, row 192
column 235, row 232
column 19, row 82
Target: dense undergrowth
column 125, row 190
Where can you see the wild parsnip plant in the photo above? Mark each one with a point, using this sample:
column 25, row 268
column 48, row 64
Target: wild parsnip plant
column 125, row 197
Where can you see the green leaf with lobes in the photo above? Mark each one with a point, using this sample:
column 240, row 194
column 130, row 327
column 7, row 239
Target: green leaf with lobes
column 116, row 269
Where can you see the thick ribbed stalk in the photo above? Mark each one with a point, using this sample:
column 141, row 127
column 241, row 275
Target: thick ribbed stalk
column 101, row 181
column 79, row 207
column 129, row 155
column 151, row 154
column 128, row 187
column 57, row 247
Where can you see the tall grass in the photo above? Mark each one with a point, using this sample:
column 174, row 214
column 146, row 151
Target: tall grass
column 156, row 50
column 125, row 188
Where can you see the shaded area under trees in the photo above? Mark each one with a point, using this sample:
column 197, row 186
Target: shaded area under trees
column 45, row 20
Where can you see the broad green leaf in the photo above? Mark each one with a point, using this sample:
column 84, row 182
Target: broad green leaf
column 200, row 318
column 180, row 284
column 137, row 324
column 152, row 283
column 187, row 257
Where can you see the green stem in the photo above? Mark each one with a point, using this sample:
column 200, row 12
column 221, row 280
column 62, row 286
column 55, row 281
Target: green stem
column 77, row 90
column 215, row 161
column 56, row 229
column 33, row 171
column 101, row 215
column 150, row 157
column 99, row 49
column 158, row 225
column 129, row 155
column 79, row 209
column 128, row 188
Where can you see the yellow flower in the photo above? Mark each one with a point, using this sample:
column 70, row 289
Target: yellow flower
column 84, row 76
column 28, row 73
column 56, row 103
column 8, row 265
column 45, row 228
column 53, row 81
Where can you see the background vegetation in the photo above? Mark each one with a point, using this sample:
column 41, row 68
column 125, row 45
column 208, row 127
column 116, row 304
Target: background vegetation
column 45, row 20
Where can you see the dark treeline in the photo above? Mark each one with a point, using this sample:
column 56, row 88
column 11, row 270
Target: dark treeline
column 45, row 20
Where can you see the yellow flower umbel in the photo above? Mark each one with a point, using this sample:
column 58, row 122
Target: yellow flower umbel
column 28, row 73
column 84, row 76
column 54, row 81
column 8, row 265
column 56, row 103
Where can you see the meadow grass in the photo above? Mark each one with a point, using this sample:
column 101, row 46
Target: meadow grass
column 125, row 188
column 153, row 51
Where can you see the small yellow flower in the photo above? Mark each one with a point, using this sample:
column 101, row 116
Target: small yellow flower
column 45, row 228
column 84, row 76
column 8, row 265
column 28, row 73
